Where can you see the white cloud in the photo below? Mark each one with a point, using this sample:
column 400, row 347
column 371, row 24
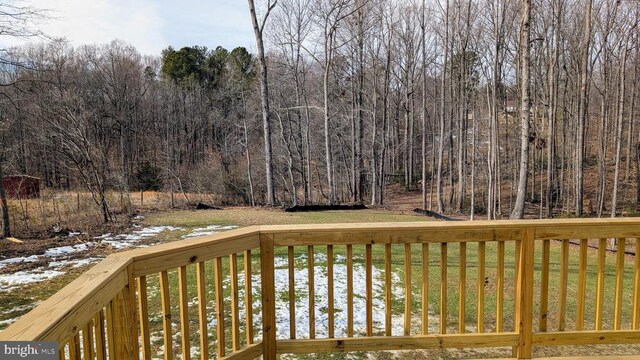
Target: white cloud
column 137, row 22
column 149, row 25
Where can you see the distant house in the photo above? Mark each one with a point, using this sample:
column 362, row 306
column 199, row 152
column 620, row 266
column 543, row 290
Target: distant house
column 510, row 107
column 21, row 186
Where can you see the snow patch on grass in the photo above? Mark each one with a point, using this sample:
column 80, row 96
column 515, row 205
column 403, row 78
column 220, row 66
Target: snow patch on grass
column 207, row 230
column 10, row 281
column 301, row 277
column 7, row 322
column 76, row 263
column 66, row 257
column 22, row 308
column 321, row 300
column 18, row 260
column 124, row 241
column 68, row 250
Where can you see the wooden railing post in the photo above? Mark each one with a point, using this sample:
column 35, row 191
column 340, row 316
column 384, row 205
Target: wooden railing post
column 267, row 275
column 524, row 295
column 125, row 328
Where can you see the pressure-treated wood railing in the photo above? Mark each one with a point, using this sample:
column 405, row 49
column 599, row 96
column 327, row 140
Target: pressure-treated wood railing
column 361, row 287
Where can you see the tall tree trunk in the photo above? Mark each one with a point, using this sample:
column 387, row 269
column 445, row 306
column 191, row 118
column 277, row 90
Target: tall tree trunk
column 443, row 84
column 553, row 109
column 374, row 137
column 473, row 164
column 308, row 148
column 619, row 124
column 405, row 141
column 353, row 182
column 248, row 157
column 264, row 93
column 525, row 114
column 582, row 112
column 4, row 208
column 423, row 26
column 632, row 110
column 602, row 149
column 286, row 139
column 327, row 138
column 359, row 161
column 385, row 120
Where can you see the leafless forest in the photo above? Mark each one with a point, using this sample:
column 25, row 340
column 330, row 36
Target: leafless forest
column 489, row 107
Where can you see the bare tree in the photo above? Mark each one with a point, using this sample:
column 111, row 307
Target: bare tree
column 443, row 90
column 258, row 28
column 525, row 113
column 582, row 115
column 331, row 14
column 624, row 49
column 16, row 21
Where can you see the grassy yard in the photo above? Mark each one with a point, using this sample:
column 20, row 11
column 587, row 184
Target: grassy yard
column 248, row 216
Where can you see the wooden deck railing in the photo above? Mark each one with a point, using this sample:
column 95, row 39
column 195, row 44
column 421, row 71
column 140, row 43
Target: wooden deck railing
column 439, row 285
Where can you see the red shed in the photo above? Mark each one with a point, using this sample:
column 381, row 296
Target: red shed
column 21, row 186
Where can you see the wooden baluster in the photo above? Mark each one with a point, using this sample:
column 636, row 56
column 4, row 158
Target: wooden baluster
column 61, row 352
column 481, row 276
column 349, row 290
column 544, row 285
column 635, row 322
column 582, row 284
column 166, row 315
column 217, row 275
column 387, row 290
column 143, row 311
column 524, row 292
column 462, row 288
column 235, row 309
column 248, row 297
column 98, row 322
column 312, row 300
column 110, row 335
column 407, row 289
column 292, row 294
column 267, row 275
column 500, row 287
column 368, row 263
column 562, row 296
column 330, row 304
column 443, row 288
column 87, row 340
column 74, row 347
column 617, row 308
column 602, row 251
column 425, row 289
column 184, row 313
column 202, row 310
column 71, row 351
column 515, row 287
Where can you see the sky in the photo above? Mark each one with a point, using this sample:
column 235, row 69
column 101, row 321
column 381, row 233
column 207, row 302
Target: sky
column 149, row 25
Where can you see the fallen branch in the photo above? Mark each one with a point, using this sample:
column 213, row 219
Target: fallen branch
column 203, row 206
column 434, row 215
column 302, row 208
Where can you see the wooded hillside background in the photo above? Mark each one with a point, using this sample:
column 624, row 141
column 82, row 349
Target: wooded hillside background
column 493, row 108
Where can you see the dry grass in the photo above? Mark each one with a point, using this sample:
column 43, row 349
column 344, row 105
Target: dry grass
column 243, row 216
column 56, row 212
